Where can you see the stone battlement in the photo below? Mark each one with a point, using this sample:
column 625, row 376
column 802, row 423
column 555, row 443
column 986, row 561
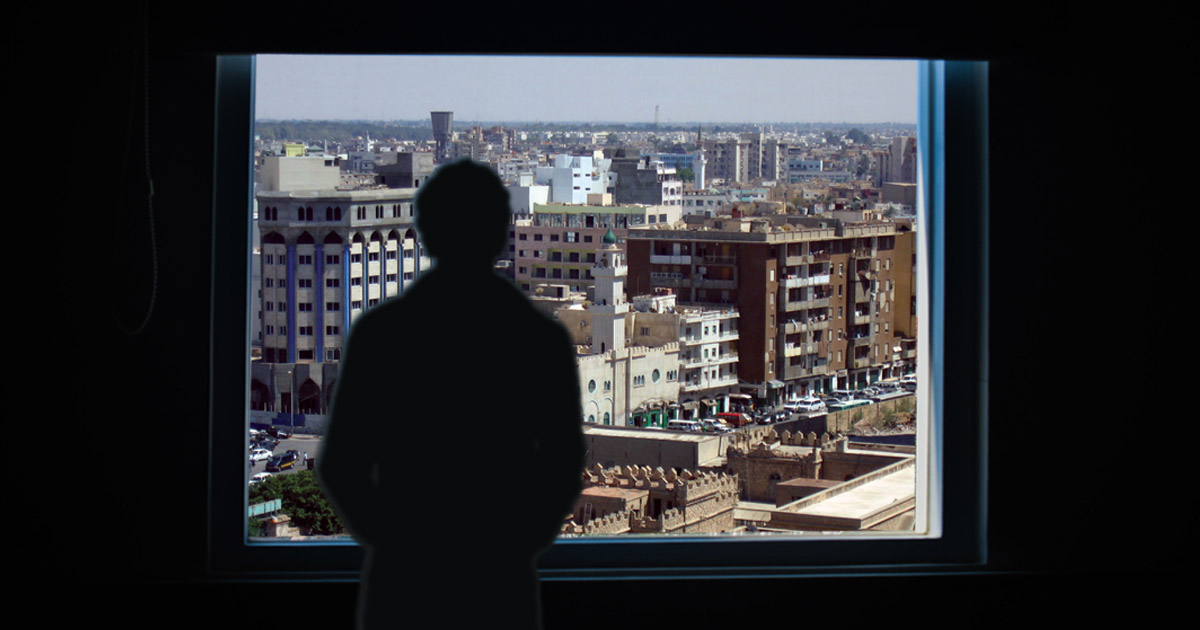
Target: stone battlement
column 615, row 523
column 763, row 444
column 684, row 484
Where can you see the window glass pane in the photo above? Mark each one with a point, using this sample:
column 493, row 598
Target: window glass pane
column 790, row 228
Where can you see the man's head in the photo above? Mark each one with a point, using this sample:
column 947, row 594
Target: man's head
column 463, row 214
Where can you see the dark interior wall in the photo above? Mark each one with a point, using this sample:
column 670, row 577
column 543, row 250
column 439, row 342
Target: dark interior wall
column 119, row 523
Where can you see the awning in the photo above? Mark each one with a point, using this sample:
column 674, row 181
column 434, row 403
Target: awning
column 773, row 384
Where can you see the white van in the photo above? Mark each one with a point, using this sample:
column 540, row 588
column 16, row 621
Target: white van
column 685, row 425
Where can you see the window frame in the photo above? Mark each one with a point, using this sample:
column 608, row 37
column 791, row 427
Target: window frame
column 954, row 332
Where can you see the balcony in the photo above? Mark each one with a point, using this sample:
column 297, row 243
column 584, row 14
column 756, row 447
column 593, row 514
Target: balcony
column 805, row 304
column 795, row 282
column 718, row 260
column 725, row 380
column 796, row 326
column 792, row 372
column 690, row 362
column 799, row 349
column 670, row 279
column 661, row 259
column 724, row 335
column 704, row 282
column 858, row 342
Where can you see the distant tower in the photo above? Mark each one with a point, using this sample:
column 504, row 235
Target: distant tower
column 442, row 122
column 609, row 307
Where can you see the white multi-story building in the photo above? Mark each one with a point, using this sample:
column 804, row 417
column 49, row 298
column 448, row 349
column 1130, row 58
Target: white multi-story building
column 709, row 357
column 572, row 178
column 524, row 195
column 326, row 257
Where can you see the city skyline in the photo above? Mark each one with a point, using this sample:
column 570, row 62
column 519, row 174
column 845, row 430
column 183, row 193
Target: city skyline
column 629, row 89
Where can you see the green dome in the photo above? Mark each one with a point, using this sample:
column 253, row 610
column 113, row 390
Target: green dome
column 609, row 238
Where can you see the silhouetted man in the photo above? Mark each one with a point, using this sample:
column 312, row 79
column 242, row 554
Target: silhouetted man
column 454, row 449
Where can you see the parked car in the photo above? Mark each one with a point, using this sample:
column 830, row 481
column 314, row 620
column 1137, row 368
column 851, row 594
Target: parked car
column 685, row 425
column 808, row 404
column 259, row 478
column 716, row 426
column 259, row 454
column 734, row 420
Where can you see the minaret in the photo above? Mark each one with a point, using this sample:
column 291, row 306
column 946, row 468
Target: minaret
column 609, row 307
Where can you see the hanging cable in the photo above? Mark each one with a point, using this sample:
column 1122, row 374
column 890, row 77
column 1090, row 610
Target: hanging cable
column 133, row 332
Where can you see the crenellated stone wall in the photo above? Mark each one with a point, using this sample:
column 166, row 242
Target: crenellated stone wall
column 762, row 464
column 676, row 502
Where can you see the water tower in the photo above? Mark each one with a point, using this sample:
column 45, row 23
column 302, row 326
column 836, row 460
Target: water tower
column 442, row 121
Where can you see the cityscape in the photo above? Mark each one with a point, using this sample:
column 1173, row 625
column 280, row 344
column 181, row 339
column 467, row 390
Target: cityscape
column 743, row 297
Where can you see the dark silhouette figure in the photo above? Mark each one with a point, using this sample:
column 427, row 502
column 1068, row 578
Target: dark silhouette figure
column 454, row 449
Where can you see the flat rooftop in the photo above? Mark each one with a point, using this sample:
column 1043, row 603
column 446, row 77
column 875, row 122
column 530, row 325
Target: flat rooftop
column 865, row 500
column 856, row 508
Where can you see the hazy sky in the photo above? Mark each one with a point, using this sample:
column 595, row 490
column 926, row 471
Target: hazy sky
column 594, row 89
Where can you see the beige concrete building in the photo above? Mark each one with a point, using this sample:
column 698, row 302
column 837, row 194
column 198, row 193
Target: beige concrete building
column 808, row 483
column 628, row 446
column 650, row 361
column 645, row 500
column 618, row 379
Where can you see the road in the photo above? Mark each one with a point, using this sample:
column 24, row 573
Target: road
column 302, row 444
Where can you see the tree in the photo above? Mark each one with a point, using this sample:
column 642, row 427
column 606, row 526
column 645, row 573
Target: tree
column 302, row 499
column 858, row 136
column 864, row 165
column 685, row 174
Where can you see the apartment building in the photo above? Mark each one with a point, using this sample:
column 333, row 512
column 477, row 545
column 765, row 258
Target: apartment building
column 646, row 180
column 748, row 157
column 572, row 178
column 559, row 244
column 822, row 305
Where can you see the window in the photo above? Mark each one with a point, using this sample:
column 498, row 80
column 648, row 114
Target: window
column 569, row 557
